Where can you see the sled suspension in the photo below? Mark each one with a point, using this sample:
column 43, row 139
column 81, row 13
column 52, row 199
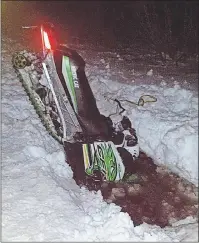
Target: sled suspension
column 56, row 101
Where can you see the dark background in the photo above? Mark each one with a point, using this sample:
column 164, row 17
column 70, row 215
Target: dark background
column 86, row 19
column 109, row 22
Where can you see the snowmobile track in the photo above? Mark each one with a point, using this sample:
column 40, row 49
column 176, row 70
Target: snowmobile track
column 35, row 100
column 37, row 109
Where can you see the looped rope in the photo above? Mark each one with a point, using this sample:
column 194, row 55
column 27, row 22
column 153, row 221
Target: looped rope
column 142, row 100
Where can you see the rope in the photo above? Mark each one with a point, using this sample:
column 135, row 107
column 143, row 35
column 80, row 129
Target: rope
column 142, row 100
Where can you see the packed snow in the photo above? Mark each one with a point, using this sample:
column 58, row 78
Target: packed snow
column 167, row 129
column 41, row 201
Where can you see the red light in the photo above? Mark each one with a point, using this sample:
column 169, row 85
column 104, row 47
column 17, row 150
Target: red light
column 46, row 41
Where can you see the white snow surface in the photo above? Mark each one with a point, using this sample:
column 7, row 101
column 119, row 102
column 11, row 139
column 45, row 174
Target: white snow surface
column 167, row 129
column 40, row 200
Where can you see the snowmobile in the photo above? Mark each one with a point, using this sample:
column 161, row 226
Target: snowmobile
column 58, row 88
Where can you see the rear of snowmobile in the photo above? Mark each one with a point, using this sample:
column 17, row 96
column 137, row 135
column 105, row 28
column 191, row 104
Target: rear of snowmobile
column 56, row 83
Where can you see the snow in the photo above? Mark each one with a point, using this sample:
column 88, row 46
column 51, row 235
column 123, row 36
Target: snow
column 40, row 200
column 167, row 129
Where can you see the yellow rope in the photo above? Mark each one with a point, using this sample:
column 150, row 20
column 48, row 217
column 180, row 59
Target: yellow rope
column 142, row 100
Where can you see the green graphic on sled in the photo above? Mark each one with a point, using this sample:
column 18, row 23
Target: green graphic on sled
column 68, row 76
column 103, row 156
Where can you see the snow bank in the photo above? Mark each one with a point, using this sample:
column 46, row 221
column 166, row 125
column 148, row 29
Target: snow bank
column 167, row 129
column 40, row 200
